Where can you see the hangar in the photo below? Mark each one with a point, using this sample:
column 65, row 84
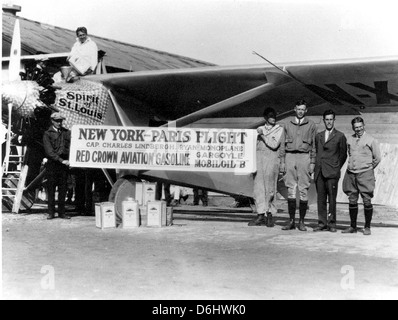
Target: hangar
column 37, row 37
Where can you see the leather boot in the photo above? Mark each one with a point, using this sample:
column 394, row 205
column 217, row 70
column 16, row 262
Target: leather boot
column 259, row 221
column 353, row 208
column 270, row 220
column 291, row 205
column 353, row 215
column 368, row 219
column 303, row 212
column 368, row 215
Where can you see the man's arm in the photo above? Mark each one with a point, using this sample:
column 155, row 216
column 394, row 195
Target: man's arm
column 282, row 150
column 313, row 149
column 273, row 140
column 343, row 150
column 376, row 153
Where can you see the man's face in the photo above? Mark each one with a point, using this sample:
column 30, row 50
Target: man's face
column 329, row 121
column 57, row 123
column 271, row 121
column 359, row 128
column 82, row 36
column 300, row 110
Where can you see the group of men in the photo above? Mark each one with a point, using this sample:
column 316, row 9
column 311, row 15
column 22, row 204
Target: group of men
column 296, row 150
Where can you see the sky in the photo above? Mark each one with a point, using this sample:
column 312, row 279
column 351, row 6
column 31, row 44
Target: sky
column 226, row 32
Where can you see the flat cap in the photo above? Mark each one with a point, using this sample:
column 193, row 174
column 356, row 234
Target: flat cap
column 57, row 116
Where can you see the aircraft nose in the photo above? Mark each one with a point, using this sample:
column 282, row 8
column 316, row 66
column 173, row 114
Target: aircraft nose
column 23, row 95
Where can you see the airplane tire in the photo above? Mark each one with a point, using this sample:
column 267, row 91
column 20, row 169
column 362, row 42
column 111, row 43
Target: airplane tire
column 121, row 190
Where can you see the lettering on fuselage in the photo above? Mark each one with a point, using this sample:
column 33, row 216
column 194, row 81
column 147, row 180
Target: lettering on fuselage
column 337, row 95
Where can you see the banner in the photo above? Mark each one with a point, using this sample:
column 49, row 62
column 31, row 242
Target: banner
column 182, row 149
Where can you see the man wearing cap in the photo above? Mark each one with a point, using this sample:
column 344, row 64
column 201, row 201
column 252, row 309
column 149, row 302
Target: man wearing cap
column 56, row 141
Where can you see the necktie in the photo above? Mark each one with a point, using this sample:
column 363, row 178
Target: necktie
column 326, row 136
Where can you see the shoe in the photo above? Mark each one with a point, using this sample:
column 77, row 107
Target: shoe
column 366, row 232
column 50, row 217
column 301, row 226
column 290, row 226
column 349, row 230
column 64, row 216
column 259, row 221
column 270, row 221
column 332, row 229
column 319, row 228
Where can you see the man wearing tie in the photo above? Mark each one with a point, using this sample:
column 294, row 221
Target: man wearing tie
column 331, row 154
column 297, row 160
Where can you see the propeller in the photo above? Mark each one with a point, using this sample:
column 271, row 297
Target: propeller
column 15, row 54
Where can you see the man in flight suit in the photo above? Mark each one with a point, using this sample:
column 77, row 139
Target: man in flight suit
column 298, row 162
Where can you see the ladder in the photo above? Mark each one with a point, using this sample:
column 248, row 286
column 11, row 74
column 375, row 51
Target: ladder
column 14, row 173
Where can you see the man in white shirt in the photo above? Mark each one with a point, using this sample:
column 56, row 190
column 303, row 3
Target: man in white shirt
column 84, row 54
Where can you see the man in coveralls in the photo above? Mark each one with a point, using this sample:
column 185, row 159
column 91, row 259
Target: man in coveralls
column 269, row 139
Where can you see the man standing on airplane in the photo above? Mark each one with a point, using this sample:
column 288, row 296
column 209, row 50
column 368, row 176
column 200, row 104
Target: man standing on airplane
column 84, row 54
column 331, row 154
column 298, row 162
column 364, row 157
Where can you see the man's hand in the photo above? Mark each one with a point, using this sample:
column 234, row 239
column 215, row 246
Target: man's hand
column 311, row 168
column 259, row 130
column 89, row 71
column 66, row 162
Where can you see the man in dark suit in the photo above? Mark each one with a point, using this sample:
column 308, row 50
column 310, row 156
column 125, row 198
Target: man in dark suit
column 331, row 154
column 56, row 141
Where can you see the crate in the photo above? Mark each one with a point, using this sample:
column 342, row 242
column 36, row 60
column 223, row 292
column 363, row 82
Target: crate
column 157, row 214
column 144, row 192
column 105, row 216
column 130, row 214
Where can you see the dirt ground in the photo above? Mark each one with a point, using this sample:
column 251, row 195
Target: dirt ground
column 209, row 254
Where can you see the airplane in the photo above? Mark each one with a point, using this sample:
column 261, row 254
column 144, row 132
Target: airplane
column 235, row 97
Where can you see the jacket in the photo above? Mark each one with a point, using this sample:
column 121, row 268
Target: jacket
column 330, row 155
column 299, row 138
column 57, row 144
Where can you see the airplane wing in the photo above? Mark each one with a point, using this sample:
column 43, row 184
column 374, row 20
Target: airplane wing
column 346, row 86
column 227, row 94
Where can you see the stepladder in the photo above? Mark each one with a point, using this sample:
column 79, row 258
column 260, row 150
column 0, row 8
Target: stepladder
column 14, row 172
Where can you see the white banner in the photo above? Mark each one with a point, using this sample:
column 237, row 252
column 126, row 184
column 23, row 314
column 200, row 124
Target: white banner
column 183, row 149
